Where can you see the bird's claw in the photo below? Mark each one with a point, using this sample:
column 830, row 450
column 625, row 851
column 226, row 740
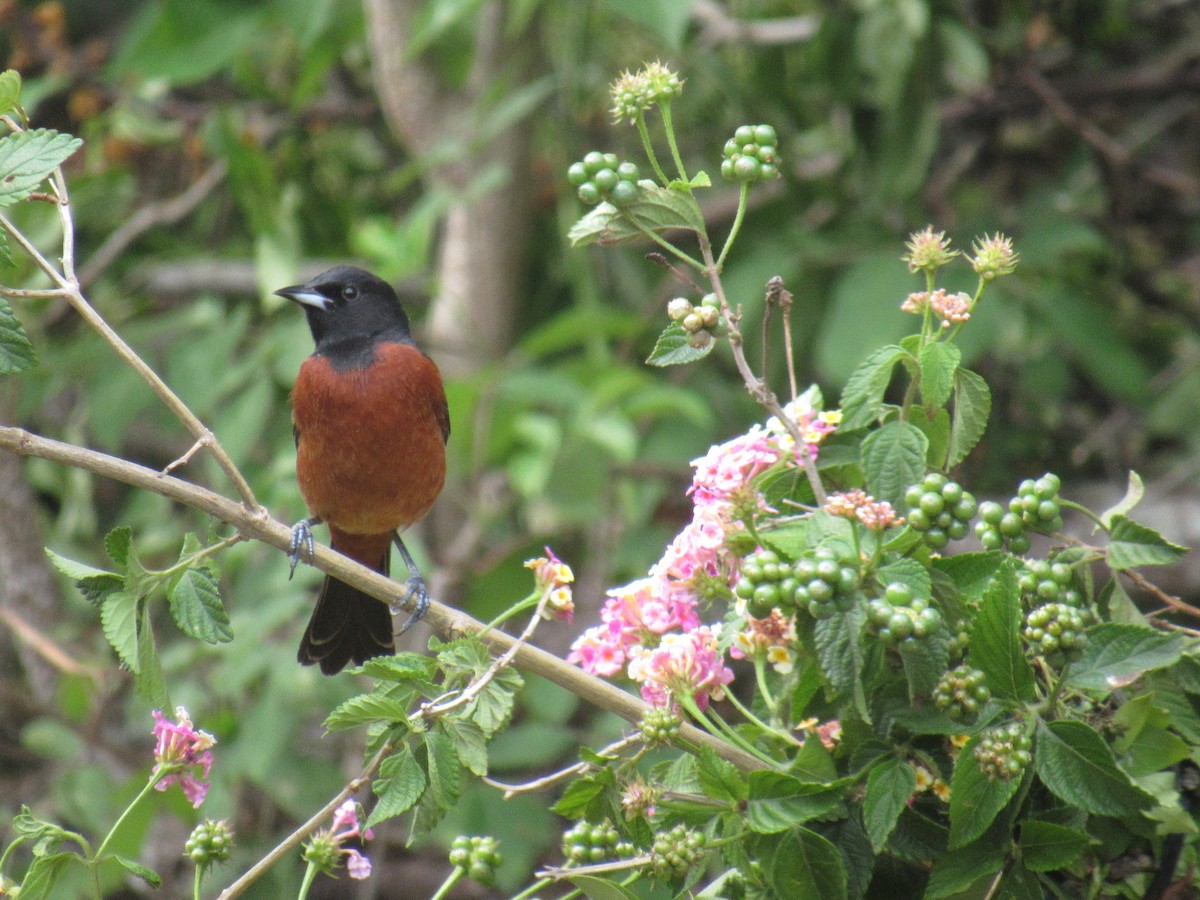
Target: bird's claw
column 419, row 594
column 302, row 540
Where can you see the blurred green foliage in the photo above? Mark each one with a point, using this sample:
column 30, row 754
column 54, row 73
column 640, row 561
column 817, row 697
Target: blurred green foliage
column 892, row 113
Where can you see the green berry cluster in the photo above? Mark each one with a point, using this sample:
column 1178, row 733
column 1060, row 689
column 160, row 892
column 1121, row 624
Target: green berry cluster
column 1035, row 508
column 961, row 693
column 1004, row 751
column 1043, row 581
column 602, row 176
column 477, row 856
column 675, row 852
column 898, row 616
column 658, row 726
column 751, row 155
column 819, row 583
column 586, row 842
column 210, row 842
column 1057, row 631
column 940, row 509
column 702, row 323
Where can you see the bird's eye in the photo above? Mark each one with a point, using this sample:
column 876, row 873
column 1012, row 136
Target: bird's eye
column 350, row 292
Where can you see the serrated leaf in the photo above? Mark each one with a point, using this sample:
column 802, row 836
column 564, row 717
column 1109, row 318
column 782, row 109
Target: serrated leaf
column 959, row 869
column 893, row 457
column 804, row 864
column 366, row 709
column 1132, row 544
column 862, row 397
column 443, row 770
column 196, row 606
column 1046, row 846
column 840, row 654
column 136, row 869
column 117, row 544
column 28, row 158
column 119, row 619
column 672, row 348
column 469, row 743
column 657, row 209
column 74, row 570
column 583, row 793
column 925, row 662
column 6, row 260
column 401, row 790
column 777, row 802
column 909, row 573
column 995, row 639
column 975, row 798
column 889, row 787
column 149, row 680
column 972, row 406
column 1078, row 767
column 493, row 707
column 1135, row 490
column 720, row 779
column 1116, row 655
column 403, row 667
column 10, row 90
column 16, row 351
column 939, row 362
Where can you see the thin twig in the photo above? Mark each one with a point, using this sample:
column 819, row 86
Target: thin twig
column 683, row 277
column 548, row 781
column 447, row 621
column 153, row 215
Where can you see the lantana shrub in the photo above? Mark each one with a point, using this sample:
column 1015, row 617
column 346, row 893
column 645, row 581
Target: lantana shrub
column 858, row 679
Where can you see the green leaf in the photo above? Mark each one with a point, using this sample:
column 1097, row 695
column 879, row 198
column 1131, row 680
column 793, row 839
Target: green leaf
column 196, row 606
column 840, row 654
column 893, row 457
column 43, row 874
column 28, row 158
column 74, row 570
column 119, row 619
column 118, row 544
column 10, row 90
column 975, row 798
column 400, row 790
column 862, row 397
column 960, row 868
column 583, row 793
column 995, row 639
column 972, row 406
column 804, row 864
column 136, row 869
column 1116, row 655
column 401, row 668
column 1132, row 544
column 777, row 802
column 1135, row 490
column 657, row 209
column 719, row 779
column 16, row 351
column 1078, row 767
column 150, row 681
column 909, row 573
column 889, row 787
column 6, row 260
column 469, row 742
column 925, row 662
column 366, row 709
column 443, row 770
column 493, row 707
column 672, row 348
column 595, row 888
column 939, row 362
column 1046, row 846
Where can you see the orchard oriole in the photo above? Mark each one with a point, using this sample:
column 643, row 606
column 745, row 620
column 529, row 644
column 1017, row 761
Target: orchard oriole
column 371, row 422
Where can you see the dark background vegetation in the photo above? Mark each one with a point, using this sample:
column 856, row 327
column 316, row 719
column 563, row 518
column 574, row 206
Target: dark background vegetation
column 233, row 147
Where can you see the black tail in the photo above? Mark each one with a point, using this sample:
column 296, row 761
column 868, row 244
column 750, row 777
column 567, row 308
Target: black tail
column 346, row 625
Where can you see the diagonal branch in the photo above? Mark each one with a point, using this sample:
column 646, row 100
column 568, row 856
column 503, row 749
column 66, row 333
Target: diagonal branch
column 258, row 525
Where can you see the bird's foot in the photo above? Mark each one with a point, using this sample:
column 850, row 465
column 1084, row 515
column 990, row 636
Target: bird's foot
column 302, row 542
column 418, row 594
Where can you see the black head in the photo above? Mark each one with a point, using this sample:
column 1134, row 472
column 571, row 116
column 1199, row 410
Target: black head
column 349, row 310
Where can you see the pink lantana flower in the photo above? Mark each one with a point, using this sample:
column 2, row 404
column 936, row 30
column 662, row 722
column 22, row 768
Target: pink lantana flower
column 773, row 638
column 683, row 665
column 179, row 750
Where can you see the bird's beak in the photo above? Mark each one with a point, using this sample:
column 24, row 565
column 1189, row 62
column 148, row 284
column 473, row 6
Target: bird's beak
column 305, row 296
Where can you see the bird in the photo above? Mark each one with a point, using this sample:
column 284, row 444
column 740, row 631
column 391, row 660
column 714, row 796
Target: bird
column 371, row 422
